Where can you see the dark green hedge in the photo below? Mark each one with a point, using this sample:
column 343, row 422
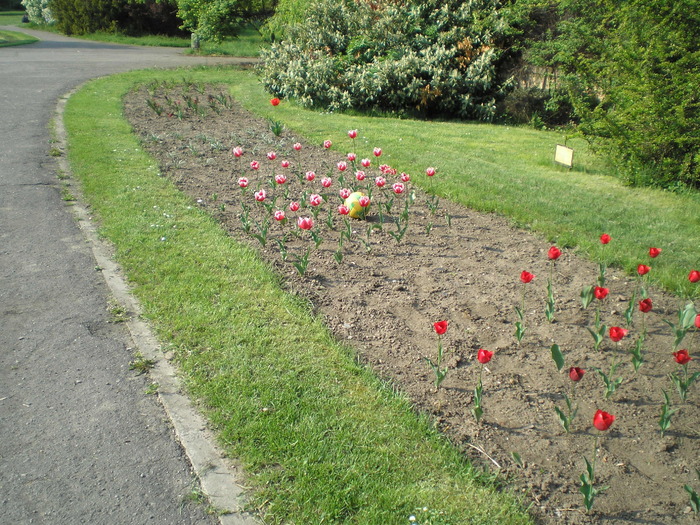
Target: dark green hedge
column 131, row 17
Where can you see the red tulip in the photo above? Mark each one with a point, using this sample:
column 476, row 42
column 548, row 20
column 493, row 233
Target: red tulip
column 617, row 333
column 305, row 223
column 576, row 373
column 365, row 163
column 254, row 165
column 398, row 188
column 600, row 293
column 310, row 175
column 352, row 133
column 405, row 177
column 352, row 157
column 342, row 165
column 484, row 356
column 603, row 420
column 682, row 357
column 275, row 101
column 654, row 252
column 605, row 238
column 526, row 277
column 694, row 276
column 697, row 321
column 343, row 209
column 377, row 152
column 363, row 201
column 643, row 269
column 554, row 253
column 360, row 175
column 430, row 171
column 645, row 305
column 380, row 182
column 440, row 327
column 327, row 144
column 326, row 182
column 279, row 215
column 243, row 182
column 293, row 206
column 345, row 193
column 237, row 151
column 280, row 179
column 271, row 155
column 315, row 199
column 284, row 163
column 297, row 146
column 260, row 195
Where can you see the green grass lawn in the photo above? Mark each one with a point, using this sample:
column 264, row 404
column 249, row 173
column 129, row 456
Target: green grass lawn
column 14, row 38
column 320, row 437
column 322, row 440
column 11, row 18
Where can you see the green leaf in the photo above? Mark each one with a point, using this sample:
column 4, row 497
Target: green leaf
column 694, row 499
column 557, row 356
column 586, row 296
column 563, row 418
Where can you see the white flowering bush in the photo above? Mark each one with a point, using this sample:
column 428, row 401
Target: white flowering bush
column 39, row 11
column 425, row 57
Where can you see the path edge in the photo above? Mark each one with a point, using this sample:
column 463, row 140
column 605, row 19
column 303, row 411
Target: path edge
column 220, row 477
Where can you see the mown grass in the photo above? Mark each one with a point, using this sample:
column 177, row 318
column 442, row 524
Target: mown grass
column 510, row 171
column 14, row 38
column 321, row 439
column 11, row 18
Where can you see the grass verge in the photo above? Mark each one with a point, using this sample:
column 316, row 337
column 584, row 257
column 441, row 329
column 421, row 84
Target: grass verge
column 13, row 38
column 322, row 440
column 510, row 171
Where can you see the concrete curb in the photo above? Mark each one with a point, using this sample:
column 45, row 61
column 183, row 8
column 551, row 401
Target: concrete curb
column 220, row 478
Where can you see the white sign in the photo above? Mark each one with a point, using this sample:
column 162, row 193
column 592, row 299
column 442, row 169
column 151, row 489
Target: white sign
column 564, row 156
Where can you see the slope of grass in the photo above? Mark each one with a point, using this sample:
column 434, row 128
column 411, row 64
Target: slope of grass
column 322, row 440
column 14, row 38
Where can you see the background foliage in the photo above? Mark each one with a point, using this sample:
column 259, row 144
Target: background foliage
column 424, row 57
column 631, row 70
column 123, row 16
column 214, row 19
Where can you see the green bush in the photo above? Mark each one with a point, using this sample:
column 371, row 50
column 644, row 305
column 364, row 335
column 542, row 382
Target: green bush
column 10, row 5
column 428, row 58
column 132, row 17
column 632, row 72
column 551, row 107
column 39, row 11
column 288, row 13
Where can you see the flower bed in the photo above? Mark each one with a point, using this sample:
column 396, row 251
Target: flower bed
column 382, row 283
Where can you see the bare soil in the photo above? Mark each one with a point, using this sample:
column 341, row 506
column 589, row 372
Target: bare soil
column 384, row 296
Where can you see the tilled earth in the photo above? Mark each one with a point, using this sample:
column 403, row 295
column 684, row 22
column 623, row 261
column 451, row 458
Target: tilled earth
column 458, row 265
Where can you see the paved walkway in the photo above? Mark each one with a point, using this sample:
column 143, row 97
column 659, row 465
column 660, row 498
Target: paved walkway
column 80, row 442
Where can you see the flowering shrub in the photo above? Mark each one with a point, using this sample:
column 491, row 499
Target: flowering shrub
column 39, row 11
column 436, row 60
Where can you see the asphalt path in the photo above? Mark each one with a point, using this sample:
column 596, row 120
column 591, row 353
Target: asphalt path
column 80, row 440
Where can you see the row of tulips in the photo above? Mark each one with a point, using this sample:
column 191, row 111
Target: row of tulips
column 688, row 319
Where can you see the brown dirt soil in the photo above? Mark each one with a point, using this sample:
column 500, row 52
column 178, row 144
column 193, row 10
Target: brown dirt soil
column 385, row 295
